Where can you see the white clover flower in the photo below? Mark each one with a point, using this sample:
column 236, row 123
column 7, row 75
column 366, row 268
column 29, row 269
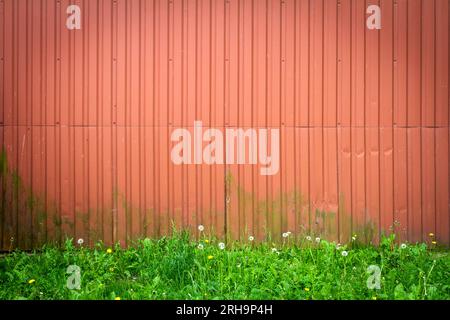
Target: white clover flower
column 80, row 241
column 251, row 238
column 344, row 253
column 317, row 239
column 200, row 246
column 221, row 245
column 308, row 238
column 201, row 228
column 403, row 246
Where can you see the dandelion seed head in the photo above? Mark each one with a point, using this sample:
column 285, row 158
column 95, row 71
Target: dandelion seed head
column 221, row 245
column 200, row 246
column 201, row 228
column 251, row 238
column 308, row 238
column 403, row 246
column 344, row 253
column 317, row 239
column 80, row 241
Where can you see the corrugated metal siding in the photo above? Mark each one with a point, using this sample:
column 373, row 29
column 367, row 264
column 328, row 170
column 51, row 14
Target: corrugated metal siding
column 86, row 117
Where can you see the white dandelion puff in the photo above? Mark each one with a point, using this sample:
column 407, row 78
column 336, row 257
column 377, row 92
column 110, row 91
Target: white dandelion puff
column 308, row 238
column 251, row 238
column 285, row 235
column 403, row 246
column 317, row 239
column 200, row 246
column 221, row 245
column 80, row 241
column 201, row 228
column 344, row 253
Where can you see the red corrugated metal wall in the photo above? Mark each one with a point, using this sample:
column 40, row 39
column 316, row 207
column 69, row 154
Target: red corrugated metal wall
column 86, row 118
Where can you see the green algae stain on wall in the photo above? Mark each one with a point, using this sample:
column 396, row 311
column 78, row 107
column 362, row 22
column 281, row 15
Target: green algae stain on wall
column 245, row 213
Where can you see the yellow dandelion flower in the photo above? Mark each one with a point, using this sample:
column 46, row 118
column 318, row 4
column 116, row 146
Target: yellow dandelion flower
column 109, row 250
column 31, row 281
column 206, row 241
column 306, row 289
column 374, row 298
column 431, row 234
column 210, row 257
column 117, row 298
column 434, row 242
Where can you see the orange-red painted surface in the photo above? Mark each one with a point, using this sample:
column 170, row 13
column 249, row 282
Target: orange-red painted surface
column 86, row 117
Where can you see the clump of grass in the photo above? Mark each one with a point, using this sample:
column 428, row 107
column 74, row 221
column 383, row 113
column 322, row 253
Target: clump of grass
column 178, row 267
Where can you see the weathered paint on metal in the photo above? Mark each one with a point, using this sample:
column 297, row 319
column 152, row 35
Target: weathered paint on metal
column 86, row 117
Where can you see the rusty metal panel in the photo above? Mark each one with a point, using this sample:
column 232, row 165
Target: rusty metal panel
column 87, row 116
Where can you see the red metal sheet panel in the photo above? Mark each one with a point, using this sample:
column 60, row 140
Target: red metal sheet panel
column 86, row 118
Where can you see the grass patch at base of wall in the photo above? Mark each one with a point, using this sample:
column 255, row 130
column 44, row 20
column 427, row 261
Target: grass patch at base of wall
column 177, row 267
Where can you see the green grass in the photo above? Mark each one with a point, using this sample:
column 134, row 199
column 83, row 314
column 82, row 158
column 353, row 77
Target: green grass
column 175, row 268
